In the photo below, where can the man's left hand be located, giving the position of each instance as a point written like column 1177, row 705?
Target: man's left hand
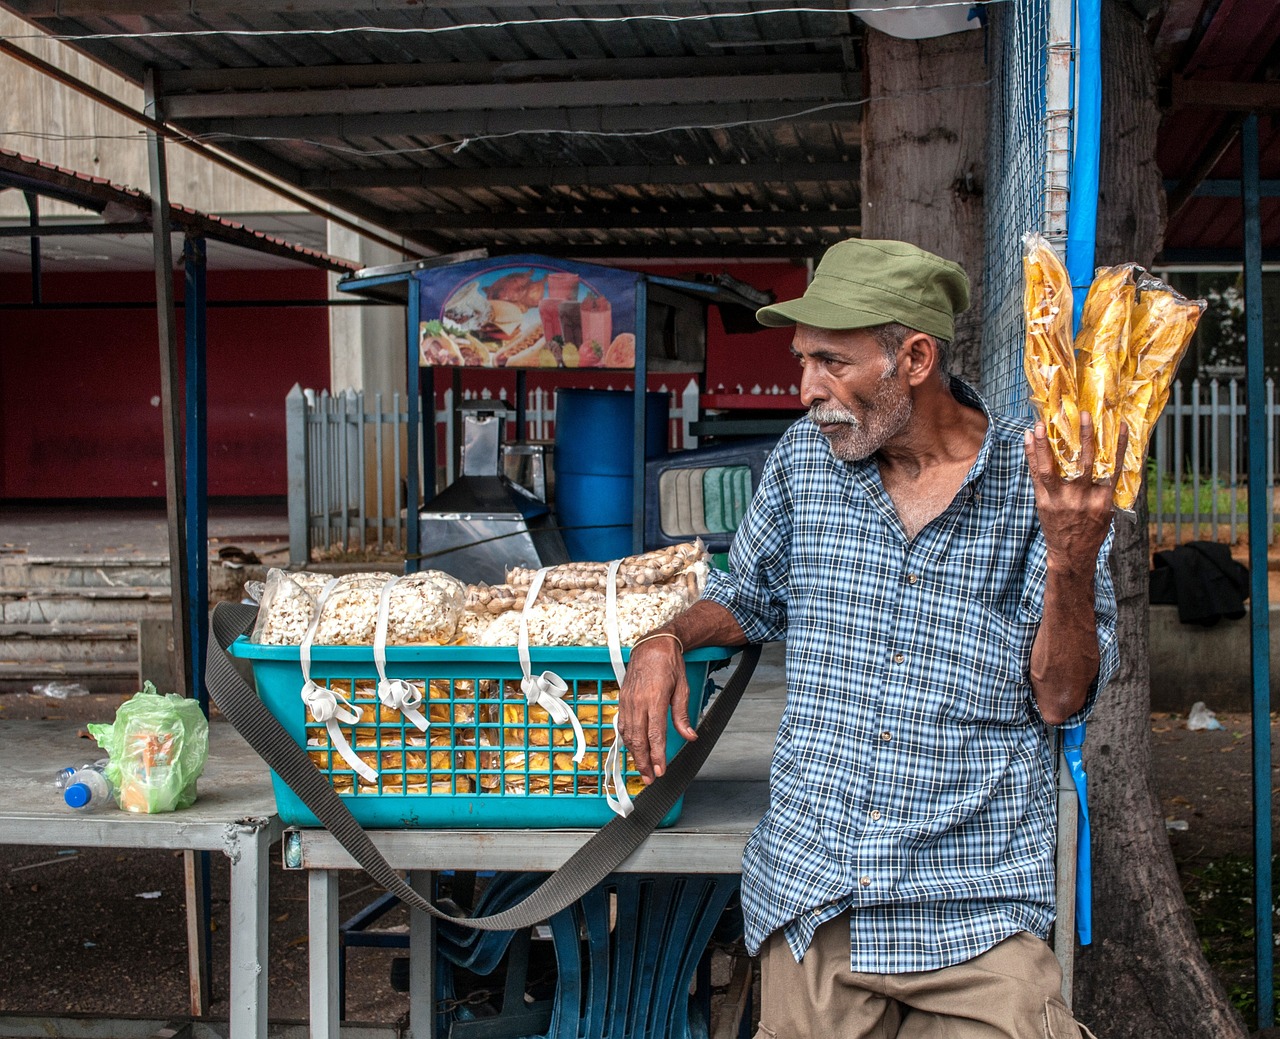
column 1075, row 515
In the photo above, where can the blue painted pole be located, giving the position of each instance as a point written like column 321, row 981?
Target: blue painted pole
column 195, row 360
column 1082, row 218
column 640, row 402
column 1259, row 606
column 195, row 341
column 414, row 439
column 1082, row 240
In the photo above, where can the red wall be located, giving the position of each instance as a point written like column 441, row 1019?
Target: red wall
column 79, row 389
column 748, row 358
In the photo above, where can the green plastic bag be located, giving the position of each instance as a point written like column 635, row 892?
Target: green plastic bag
column 158, row 746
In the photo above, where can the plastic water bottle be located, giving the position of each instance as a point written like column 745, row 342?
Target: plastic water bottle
column 87, row 789
column 63, row 776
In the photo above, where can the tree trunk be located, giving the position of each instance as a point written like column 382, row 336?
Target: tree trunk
column 923, row 153
column 1144, row 976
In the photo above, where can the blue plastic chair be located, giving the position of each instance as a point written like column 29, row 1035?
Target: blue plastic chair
column 626, row 954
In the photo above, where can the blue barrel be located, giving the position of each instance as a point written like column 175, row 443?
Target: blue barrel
column 593, row 467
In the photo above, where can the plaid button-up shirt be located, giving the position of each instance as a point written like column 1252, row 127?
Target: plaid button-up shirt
column 913, row 778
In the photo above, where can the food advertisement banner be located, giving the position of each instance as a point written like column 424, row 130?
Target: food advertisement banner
column 527, row 312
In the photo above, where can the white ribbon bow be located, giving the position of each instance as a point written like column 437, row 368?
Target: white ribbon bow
column 323, row 704
column 615, row 783
column 547, row 689
column 398, row 694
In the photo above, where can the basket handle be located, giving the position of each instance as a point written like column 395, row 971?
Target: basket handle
column 588, row 866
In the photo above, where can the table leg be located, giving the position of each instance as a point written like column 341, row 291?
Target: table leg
column 422, row 962
column 322, row 945
column 248, row 847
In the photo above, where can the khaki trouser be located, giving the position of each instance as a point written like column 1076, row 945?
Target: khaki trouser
column 1012, row 991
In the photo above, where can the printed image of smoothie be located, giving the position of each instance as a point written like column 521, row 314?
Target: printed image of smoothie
column 597, row 324
column 571, row 321
column 561, row 285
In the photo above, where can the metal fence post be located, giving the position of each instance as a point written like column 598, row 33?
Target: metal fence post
column 295, row 424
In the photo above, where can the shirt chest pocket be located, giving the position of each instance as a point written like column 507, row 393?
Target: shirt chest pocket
column 992, row 684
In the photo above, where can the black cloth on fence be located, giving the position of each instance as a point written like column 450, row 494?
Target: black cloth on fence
column 1203, row 580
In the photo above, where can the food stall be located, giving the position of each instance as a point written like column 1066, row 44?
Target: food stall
column 529, row 312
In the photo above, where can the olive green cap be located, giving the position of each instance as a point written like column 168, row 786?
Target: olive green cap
column 864, row 282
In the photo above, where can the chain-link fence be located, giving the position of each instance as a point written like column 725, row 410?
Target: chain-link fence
column 1028, row 170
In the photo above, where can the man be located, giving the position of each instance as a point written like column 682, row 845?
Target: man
column 945, row 597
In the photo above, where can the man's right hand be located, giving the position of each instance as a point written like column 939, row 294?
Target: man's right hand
column 655, row 682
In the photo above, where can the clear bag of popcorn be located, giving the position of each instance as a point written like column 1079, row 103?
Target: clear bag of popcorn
column 423, row 608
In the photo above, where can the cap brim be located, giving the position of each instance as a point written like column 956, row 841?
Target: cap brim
column 819, row 314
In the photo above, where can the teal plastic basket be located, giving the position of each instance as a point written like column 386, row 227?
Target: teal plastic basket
column 487, row 759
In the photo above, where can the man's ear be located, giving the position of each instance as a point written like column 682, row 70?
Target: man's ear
column 918, row 357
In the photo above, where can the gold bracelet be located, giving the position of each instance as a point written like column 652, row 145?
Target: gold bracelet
column 658, row 635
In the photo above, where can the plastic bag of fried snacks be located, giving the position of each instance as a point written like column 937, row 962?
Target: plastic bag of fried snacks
column 1049, row 359
column 1161, row 327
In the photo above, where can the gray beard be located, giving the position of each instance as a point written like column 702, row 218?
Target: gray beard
column 856, row 440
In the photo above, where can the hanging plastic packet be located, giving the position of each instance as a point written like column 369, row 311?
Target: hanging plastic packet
column 1049, row 358
column 1102, row 358
column 1161, row 328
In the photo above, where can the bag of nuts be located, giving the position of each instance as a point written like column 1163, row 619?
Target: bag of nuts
column 423, row 608
column 570, row 609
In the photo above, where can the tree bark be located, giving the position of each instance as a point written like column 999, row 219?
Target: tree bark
column 1144, row 976
column 923, row 153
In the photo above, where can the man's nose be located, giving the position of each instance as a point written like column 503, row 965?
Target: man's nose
column 813, row 388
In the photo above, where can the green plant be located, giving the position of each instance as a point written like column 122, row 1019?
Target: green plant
column 1220, row 897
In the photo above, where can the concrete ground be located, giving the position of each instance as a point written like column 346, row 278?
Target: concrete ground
column 112, row 531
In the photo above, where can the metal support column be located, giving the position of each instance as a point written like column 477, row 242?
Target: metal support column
column 175, row 502
column 37, row 263
column 413, row 454
column 170, row 395
column 422, row 956
column 322, row 920
column 1259, row 606
column 195, row 342
column 640, row 413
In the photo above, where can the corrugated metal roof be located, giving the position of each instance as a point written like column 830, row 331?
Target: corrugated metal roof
column 605, row 130
column 125, row 204
column 1219, row 59
column 614, row 130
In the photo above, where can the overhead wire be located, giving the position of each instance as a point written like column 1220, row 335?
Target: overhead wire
column 426, row 30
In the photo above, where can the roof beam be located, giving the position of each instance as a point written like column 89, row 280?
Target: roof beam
column 816, row 86
column 319, row 77
column 57, row 230
column 1237, row 97
column 49, row 9
column 811, row 248
column 454, row 178
column 849, row 220
column 564, row 120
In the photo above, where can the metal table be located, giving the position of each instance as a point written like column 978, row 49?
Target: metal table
column 720, row 809
column 235, row 814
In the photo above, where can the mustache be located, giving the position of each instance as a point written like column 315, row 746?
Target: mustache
column 826, row 414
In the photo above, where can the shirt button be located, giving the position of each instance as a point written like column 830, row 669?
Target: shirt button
column 912, row 578
column 875, row 814
column 865, row 881
column 886, row 735
column 898, row 658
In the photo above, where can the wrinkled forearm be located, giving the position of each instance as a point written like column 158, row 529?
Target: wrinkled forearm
column 1064, row 657
column 706, row 624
